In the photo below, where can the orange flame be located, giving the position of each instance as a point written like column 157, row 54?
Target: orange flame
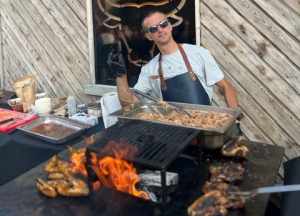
column 116, row 173
column 112, row 172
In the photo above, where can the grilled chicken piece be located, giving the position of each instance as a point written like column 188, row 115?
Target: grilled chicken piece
column 51, row 165
column 229, row 172
column 225, row 189
column 72, row 187
column 45, row 188
column 210, row 204
column 55, row 175
column 232, row 148
column 54, row 164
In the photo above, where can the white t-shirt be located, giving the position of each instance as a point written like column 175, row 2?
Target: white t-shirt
column 202, row 63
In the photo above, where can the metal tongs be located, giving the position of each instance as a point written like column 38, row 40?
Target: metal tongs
column 141, row 96
column 262, row 190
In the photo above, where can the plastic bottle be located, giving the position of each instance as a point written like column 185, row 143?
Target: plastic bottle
column 71, row 106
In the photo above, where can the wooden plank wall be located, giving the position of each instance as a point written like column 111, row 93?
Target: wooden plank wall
column 48, row 39
column 256, row 43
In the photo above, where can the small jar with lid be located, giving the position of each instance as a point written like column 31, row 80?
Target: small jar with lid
column 90, row 110
column 97, row 109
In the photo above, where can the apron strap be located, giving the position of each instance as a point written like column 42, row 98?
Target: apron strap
column 187, row 64
column 160, row 73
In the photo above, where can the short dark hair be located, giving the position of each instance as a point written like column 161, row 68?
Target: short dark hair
column 149, row 14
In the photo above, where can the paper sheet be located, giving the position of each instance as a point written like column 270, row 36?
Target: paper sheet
column 109, row 104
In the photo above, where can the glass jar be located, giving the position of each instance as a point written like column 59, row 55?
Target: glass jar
column 90, row 110
column 97, row 109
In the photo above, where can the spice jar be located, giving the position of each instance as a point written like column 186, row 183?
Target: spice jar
column 90, row 108
column 97, row 109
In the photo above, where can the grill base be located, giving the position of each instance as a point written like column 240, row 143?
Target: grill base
column 178, row 197
column 158, row 146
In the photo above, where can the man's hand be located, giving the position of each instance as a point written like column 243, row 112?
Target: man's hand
column 116, row 61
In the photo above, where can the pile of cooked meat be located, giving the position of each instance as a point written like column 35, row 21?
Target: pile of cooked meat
column 223, row 179
column 210, row 119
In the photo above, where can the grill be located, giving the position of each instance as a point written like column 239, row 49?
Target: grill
column 158, row 146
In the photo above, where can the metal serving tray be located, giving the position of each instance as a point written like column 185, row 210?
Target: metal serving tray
column 211, row 138
column 58, row 120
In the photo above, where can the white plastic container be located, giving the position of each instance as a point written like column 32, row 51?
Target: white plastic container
column 43, row 106
column 71, row 103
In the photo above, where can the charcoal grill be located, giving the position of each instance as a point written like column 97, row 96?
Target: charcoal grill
column 158, row 146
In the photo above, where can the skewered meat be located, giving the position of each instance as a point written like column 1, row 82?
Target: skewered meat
column 225, row 189
column 229, row 172
column 232, row 148
column 211, row 203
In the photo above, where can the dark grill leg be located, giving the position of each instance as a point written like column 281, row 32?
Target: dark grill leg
column 164, row 192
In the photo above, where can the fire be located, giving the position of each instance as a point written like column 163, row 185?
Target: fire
column 112, row 171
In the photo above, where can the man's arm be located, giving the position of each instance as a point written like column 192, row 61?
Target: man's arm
column 229, row 93
column 231, row 101
column 125, row 96
column 117, row 66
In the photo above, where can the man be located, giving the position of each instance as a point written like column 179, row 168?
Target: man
column 175, row 82
column 180, row 73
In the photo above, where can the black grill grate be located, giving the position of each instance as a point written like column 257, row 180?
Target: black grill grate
column 158, row 144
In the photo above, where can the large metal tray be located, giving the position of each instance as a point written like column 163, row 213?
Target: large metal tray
column 211, row 138
column 58, row 120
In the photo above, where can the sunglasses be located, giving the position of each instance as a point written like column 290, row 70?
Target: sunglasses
column 163, row 24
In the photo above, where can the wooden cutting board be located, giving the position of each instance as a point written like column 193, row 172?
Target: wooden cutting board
column 18, row 116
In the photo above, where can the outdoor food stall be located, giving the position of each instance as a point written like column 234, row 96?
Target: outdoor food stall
column 145, row 167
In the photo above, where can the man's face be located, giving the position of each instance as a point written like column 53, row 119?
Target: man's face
column 162, row 35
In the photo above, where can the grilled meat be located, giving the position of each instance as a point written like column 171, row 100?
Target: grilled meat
column 46, row 188
column 209, row 204
column 232, row 148
column 55, row 164
column 221, row 186
column 71, row 187
column 229, row 172
column 225, row 189
column 55, row 175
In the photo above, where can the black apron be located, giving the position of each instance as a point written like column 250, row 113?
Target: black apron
column 184, row 88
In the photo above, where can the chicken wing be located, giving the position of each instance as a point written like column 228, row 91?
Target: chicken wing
column 233, row 149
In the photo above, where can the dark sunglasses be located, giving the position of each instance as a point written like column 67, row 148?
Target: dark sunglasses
column 163, row 24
